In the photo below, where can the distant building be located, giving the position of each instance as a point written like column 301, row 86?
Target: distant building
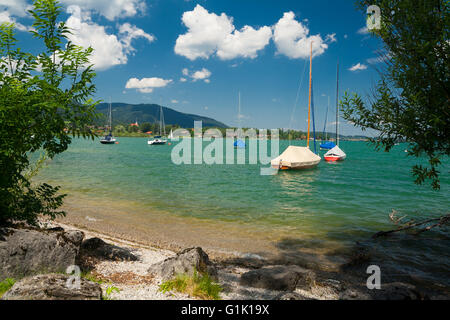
column 136, row 124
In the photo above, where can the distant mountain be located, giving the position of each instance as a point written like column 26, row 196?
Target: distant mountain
column 125, row 113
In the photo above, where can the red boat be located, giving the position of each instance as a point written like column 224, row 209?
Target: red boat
column 335, row 154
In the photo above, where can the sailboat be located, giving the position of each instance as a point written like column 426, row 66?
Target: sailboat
column 239, row 143
column 170, row 135
column 109, row 139
column 328, row 145
column 336, row 154
column 298, row 158
column 159, row 140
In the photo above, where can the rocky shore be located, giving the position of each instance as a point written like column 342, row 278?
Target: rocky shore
column 38, row 260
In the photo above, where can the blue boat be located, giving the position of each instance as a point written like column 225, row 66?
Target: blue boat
column 239, row 144
column 327, row 145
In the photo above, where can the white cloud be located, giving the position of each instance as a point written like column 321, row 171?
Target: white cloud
column 244, row 43
column 174, row 101
column 202, row 74
column 292, row 38
column 358, row 67
column 5, row 16
column 110, row 9
column 205, row 32
column 109, row 49
column 146, row 85
column 209, row 33
column 330, row 38
column 130, row 32
column 15, row 7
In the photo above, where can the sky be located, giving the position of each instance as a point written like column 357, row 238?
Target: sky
column 196, row 56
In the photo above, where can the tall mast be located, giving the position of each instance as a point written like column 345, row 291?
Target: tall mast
column 110, row 115
column 160, row 120
column 337, row 104
column 239, row 114
column 239, row 109
column 309, row 104
column 325, row 134
column 328, row 108
column 313, row 118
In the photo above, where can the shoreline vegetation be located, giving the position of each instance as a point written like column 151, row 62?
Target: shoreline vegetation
column 135, row 132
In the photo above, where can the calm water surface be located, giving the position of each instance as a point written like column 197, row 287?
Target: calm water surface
column 335, row 203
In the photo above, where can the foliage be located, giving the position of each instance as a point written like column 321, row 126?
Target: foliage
column 91, row 277
column 411, row 100
column 132, row 129
column 5, row 285
column 146, row 126
column 198, row 285
column 109, row 291
column 44, row 100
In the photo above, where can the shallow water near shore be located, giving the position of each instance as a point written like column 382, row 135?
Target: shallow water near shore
column 317, row 215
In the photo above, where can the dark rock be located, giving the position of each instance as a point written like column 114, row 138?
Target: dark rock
column 98, row 248
column 354, row 294
column 389, row 291
column 335, row 285
column 185, row 262
column 52, row 287
column 290, row 296
column 282, row 278
column 398, row 291
column 25, row 252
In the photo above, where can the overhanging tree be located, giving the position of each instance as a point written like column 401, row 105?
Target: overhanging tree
column 411, row 100
column 44, row 102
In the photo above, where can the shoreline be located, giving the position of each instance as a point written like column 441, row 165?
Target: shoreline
column 223, row 241
column 134, row 282
column 331, row 284
column 227, row 245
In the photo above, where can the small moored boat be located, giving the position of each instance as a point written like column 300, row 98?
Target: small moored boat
column 159, row 140
column 335, row 154
column 109, row 139
column 299, row 158
column 296, row 158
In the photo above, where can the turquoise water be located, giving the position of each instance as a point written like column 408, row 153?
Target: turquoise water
column 341, row 202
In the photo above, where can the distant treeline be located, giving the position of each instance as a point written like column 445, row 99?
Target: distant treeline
column 147, row 128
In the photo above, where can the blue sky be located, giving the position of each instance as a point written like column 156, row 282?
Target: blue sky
column 195, row 56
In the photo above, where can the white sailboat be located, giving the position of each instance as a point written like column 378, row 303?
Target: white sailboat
column 239, row 143
column 336, row 154
column 298, row 158
column 159, row 140
column 109, row 139
column 170, row 135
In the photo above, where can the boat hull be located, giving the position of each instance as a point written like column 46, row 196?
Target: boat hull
column 296, row 167
column 334, row 158
column 156, row 143
column 107, row 142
